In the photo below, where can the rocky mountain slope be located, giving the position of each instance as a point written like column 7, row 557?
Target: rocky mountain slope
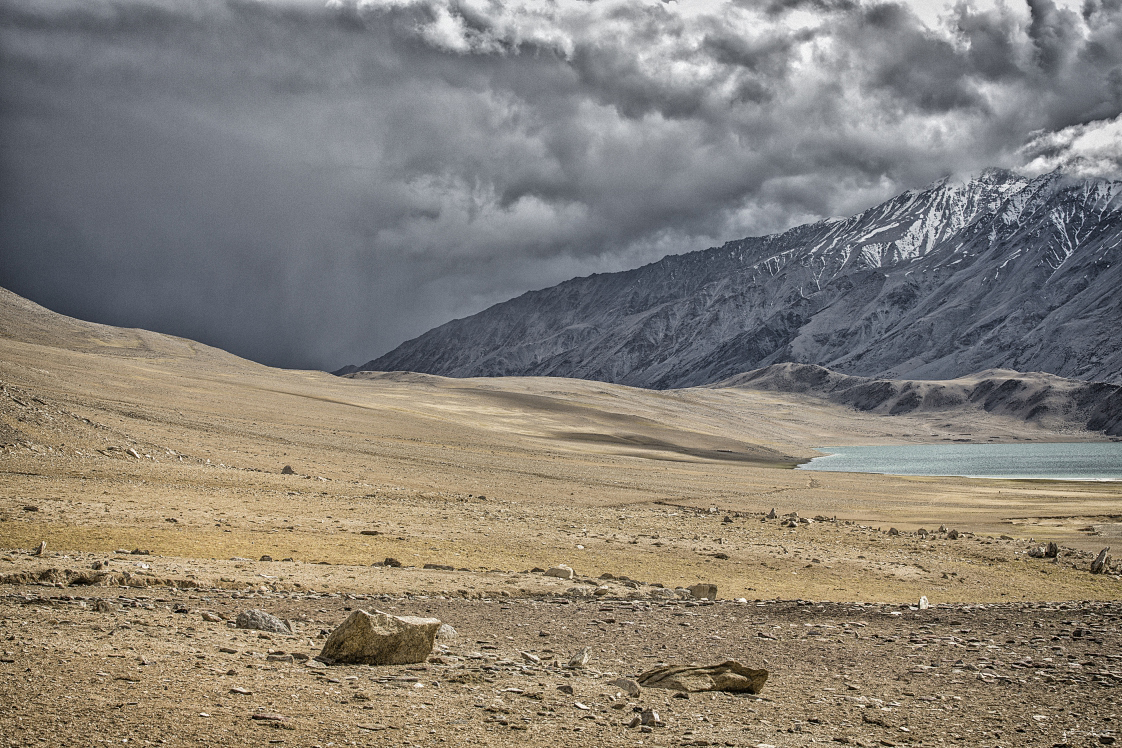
column 1045, row 399
column 1001, row 271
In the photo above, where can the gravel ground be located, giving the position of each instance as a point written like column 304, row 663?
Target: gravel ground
column 92, row 666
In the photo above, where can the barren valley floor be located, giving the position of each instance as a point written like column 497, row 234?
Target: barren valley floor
column 119, row 440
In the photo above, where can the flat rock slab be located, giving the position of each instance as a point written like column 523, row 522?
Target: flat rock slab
column 730, row 676
column 380, row 639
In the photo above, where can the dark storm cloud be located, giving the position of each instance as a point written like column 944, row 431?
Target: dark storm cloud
column 310, row 185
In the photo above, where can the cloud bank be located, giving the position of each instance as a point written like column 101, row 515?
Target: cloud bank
column 309, row 185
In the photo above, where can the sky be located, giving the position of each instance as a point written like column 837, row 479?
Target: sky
column 309, row 185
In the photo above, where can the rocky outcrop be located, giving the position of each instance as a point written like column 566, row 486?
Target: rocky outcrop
column 1045, row 399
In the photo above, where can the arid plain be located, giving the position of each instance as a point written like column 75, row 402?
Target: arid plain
column 122, row 440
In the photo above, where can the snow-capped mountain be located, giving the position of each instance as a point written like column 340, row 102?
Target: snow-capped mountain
column 1000, row 271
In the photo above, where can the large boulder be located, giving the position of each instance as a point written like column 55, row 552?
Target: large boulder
column 730, row 676
column 262, row 621
column 380, row 639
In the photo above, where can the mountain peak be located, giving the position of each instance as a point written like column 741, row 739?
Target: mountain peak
column 997, row 270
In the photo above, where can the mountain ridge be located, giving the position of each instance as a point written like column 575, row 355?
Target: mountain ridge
column 999, row 271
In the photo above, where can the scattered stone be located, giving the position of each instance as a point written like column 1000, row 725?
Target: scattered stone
column 581, row 658
column 729, row 676
column 30, row 508
column 953, row 535
column 1051, row 551
column 773, row 514
column 565, row 688
column 649, row 717
column 287, row 470
column 1101, row 562
column 266, row 717
column 262, row 621
column 211, row 617
column 41, row 549
column 266, row 558
column 704, row 591
column 893, row 531
column 1037, row 551
column 102, row 606
column 380, row 639
column 369, row 532
column 241, row 691
column 627, row 685
column 392, row 563
column 440, row 567
column 561, row 571
column 531, row 658
column 139, row 552
column 942, row 528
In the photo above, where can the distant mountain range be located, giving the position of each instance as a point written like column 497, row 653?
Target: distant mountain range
column 998, row 272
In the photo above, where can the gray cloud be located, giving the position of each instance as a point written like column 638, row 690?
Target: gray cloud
column 310, row 185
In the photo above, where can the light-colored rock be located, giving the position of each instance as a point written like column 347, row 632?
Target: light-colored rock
column 561, row 571
column 923, row 604
column 262, row 621
column 211, row 617
column 580, row 658
column 531, row 658
column 729, row 676
column 445, row 633
column 628, row 686
column 704, row 591
column 380, row 639
column 41, row 549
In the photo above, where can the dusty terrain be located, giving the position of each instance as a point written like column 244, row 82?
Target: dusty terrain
column 119, row 440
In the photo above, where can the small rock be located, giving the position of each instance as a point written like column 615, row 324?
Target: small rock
column 561, row 571
column 953, row 535
column 893, row 531
column 287, row 470
column 241, row 691
column 266, row 558
column 392, row 563
column 440, row 567
column 445, row 633
column 773, row 514
column 704, row 591
column 565, row 688
column 380, row 639
column 41, row 549
column 649, row 717
column 262, row 621
column 1101, row 562
column 628, row 686
column 531, row 658
column 581, row 658
column 923, row 604
column 1051, row 551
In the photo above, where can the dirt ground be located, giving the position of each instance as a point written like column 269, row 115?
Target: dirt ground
column 153, row 470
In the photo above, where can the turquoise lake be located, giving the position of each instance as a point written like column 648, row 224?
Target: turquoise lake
column 1098, row 461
